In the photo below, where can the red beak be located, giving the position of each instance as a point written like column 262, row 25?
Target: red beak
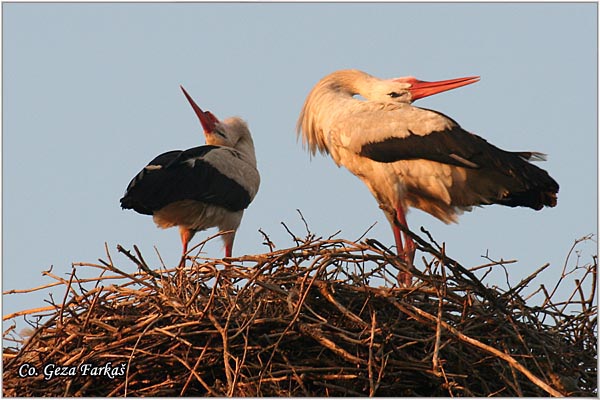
column 207, row 119
column 420, row 89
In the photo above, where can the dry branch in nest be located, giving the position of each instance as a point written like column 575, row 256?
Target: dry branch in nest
column 323, row 318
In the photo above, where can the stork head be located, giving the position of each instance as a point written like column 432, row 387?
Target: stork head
column 396, row 90
column 411, row 88
column 213, row 129
column 231, row 132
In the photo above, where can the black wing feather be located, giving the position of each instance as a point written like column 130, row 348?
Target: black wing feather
column 173, row 176
column 533, row 187
column 447, row 147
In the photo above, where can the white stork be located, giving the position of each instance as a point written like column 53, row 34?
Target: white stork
column 414, row 157
column 202, row 187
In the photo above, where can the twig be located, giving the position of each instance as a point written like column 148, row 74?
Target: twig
column 415, row 313
column 140, row 263
column 308, row 233
column 372, row 385
column 365, row 232
column 267, row 241
column 314, row 332
column 292, row 322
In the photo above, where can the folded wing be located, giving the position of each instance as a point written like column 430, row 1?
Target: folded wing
column 213, row 175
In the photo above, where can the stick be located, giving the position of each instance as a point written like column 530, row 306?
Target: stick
column 416, row 312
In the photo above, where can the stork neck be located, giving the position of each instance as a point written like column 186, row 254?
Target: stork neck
column 246, row 146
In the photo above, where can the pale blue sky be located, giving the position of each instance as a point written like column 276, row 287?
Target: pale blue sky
column 91, row 94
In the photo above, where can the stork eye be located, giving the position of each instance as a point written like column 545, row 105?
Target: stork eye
column 393, row 95
column 216, row 131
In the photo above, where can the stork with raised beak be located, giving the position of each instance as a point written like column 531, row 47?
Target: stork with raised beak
column 415, row 157
column 202, row 187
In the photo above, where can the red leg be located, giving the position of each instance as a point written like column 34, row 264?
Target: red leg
column 186, row 236
column 398, row 239
column 228, row 239
column 408, row 252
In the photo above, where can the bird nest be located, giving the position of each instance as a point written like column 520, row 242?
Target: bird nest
column 322, row 318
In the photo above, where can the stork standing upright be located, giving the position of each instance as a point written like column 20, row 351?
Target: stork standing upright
column 202, row 187
column 414, row 157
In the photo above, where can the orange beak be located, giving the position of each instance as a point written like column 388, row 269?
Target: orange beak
column 420, row 89
column 207, row 119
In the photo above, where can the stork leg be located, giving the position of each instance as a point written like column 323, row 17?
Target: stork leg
column 228, row 248
column 409, row 250
column 228, row 239
column 186, row 235
column 398, row 239
column 406, row 252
